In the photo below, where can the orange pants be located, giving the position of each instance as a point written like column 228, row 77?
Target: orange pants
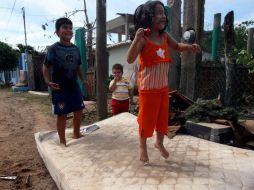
column 153, row 113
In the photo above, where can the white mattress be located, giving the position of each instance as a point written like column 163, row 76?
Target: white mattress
column 108, row 159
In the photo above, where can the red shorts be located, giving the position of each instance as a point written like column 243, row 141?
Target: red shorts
column 119, row 106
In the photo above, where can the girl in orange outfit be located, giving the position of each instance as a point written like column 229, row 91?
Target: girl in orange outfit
column 154, row 60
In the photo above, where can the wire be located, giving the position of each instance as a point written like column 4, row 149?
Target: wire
column 9, row 17
column 40, row 15
column 18, row 31
column 8, row 8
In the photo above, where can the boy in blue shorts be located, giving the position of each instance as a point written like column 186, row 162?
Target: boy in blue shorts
column 64, row 58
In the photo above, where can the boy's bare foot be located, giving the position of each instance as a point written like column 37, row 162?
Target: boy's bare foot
column 63, row 144
column 78, row 136
column 163, row 151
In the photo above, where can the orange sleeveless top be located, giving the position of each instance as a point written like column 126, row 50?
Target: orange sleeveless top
column 154, row 62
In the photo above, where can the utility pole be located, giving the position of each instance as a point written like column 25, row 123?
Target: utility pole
column 24, row 20
column 26, row 53
column 29, row 67
column 101, row 60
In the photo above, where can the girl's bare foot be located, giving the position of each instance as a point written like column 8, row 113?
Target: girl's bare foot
column 163, row 151
column 144, row 156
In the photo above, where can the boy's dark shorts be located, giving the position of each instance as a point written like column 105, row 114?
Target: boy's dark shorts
column 64, row 102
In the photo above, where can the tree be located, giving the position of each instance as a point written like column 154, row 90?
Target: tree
column 240, row 38
column 30, row 49
column 242, row 34
column 8, row 57
column 89, row 43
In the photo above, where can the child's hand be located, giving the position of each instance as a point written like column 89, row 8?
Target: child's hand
column 85, row 82
column 53, row 86
column 195, row 48
column 117, row 78
column 140, row 33
column 147, row 31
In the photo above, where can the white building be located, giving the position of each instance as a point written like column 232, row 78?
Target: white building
column 118, row 54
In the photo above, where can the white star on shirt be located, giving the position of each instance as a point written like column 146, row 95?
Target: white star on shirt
column 160, row 52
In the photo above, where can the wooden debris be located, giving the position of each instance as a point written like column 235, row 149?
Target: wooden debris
column 248, row 124
column 221, row 121
column 172, row 131
column 28, row 181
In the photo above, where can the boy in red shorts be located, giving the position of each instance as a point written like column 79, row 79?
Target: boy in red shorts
column 121, row 90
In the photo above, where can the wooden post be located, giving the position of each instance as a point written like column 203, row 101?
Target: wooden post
column 101, row 60
column 89, row 43
column 167, row 12
column 90, row 74
column 30, row 72
column 250, row 42
column 126, row 27
column 229, row 41
column 175, row 31
column 216, row 33
column 193, row 16
column 119, row 37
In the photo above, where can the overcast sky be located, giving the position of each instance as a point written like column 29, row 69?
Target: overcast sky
column 39, row 12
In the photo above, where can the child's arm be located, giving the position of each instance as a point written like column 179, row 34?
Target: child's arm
column 81, row 76
column 136, row 45
column 112, row 85
column 131, row 95
column 181, row 46
column 46, row 75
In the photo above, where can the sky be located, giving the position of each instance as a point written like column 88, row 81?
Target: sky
column 39, row 12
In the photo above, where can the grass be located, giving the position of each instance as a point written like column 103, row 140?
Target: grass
column 43, row 101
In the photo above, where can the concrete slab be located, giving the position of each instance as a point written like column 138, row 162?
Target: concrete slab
column 20, row 88
column 38, row 93
column 210, row 131
column 108, row 159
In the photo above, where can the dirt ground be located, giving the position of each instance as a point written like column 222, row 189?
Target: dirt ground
column 21, row 117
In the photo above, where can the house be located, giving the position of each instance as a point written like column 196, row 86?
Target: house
column 13, row 76
column 118, row 52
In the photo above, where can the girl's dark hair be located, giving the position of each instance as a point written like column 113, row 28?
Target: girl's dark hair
column 61, row 21
column 118, row 66
column 144, row 14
